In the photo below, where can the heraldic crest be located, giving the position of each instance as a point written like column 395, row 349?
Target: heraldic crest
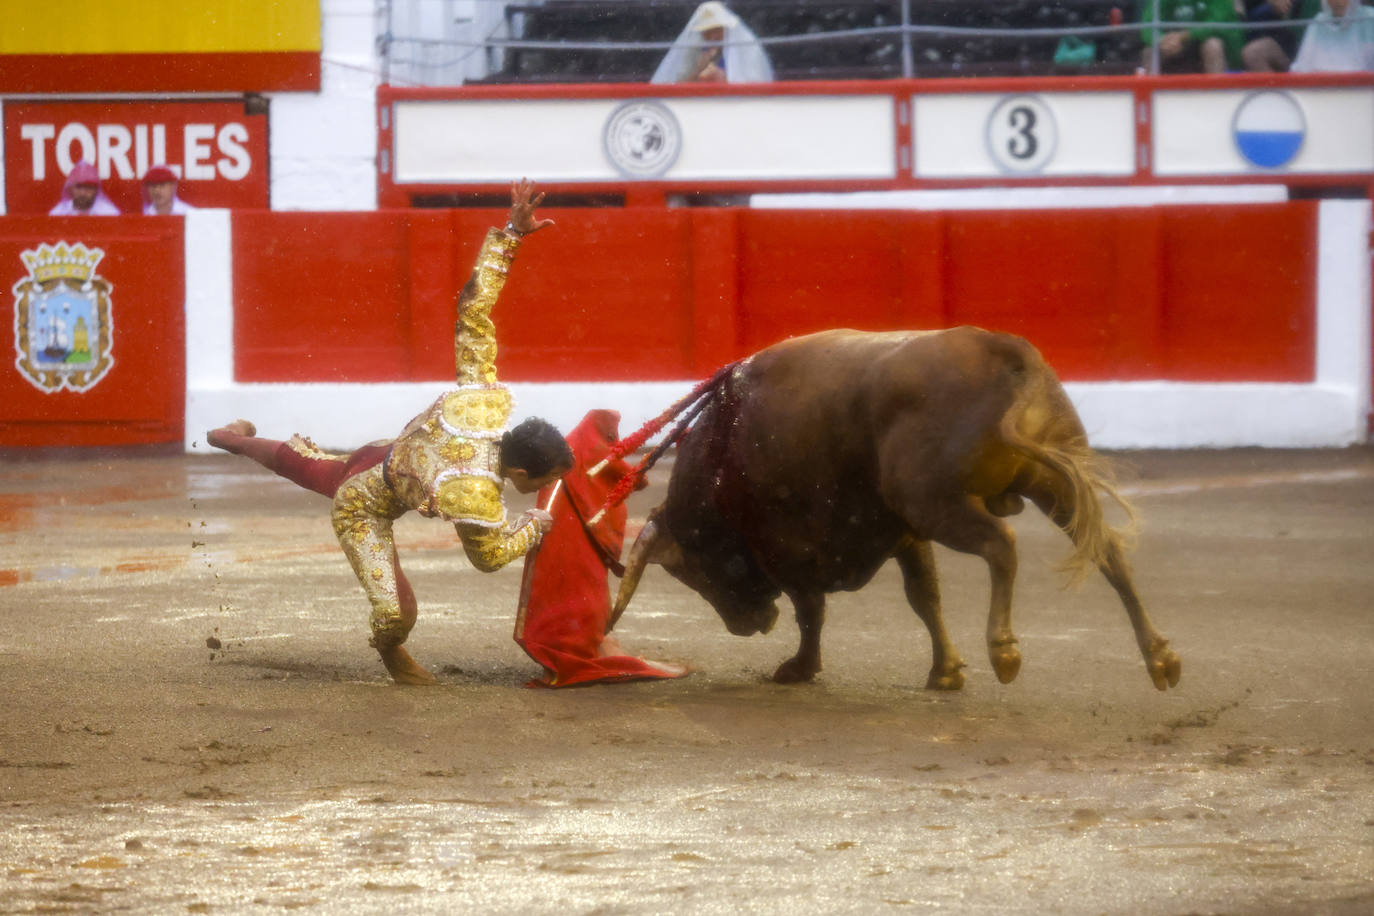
column 63, row 328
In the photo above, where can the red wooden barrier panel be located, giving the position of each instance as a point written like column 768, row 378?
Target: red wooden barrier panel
column 1188, row 293
column 369, row 296
column 1244, row 281
column 100, row 362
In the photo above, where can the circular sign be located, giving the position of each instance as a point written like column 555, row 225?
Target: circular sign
column 642, row 139
column 1021, row 134
column 1268, row 128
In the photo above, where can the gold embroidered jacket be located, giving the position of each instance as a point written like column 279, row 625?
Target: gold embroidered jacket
column 447, row 461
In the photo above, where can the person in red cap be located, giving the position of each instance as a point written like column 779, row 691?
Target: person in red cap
column 81, row 194
column 160, row 193
column 565, row 603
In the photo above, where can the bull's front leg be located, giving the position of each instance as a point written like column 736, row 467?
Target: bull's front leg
column 807, row 662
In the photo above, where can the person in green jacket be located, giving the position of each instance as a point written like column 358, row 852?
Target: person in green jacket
column 1200, row 47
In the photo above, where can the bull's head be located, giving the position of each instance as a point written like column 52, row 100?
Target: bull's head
column 732, row 584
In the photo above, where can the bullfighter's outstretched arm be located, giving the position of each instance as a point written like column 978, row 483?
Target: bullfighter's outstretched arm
column 474, row 334
column 490, row 539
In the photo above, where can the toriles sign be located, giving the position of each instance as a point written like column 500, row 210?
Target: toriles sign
column 218, row 151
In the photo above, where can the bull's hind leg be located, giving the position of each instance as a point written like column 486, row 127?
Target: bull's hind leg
column 810, row 618
column 922, row 582
column 1161, row 662
column 969, row 528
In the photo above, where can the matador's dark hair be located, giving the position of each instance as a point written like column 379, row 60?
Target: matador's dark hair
column 536, row 446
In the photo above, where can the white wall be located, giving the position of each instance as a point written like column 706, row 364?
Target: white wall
column 324, row 145
column 1330, row 411
column 442, row 42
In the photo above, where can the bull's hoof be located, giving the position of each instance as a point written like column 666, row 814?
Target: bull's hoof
column 404, row 669
column 1164, row 666
column 1006, row 661
column 952, row 679
column 796, row 671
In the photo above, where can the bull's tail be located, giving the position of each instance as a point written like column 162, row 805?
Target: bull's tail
column 1043, row 428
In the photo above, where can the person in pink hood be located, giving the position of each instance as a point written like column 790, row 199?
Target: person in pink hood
column 81, row 194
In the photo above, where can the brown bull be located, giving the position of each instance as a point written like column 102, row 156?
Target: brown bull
column 819, row 458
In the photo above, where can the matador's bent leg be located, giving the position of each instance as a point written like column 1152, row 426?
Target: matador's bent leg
column 364, row 509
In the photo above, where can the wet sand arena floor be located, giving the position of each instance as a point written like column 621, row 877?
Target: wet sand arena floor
column 143, row 771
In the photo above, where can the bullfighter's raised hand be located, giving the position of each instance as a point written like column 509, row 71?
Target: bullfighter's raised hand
column 524, row 200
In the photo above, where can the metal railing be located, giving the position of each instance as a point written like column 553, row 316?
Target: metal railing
column 402, row 49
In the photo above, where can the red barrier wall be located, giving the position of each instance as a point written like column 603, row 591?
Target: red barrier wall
column 1188, row 293
column 140, row 397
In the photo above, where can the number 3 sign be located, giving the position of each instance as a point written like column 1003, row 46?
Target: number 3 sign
column 1021, row 134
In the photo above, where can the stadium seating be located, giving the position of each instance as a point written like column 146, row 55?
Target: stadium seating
column 858, row 56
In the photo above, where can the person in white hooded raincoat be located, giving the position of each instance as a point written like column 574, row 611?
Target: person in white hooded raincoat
column 1340, row 39
column 715, row 46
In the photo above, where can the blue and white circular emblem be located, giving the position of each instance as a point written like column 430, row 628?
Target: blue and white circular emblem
column 1269, row 128
column 642, row 139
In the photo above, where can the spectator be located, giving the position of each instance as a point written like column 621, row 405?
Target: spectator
column 715, row 47
column 1271, row 50
column 81, row 194
column 1200, row 48
column 1340, row 39
column 160, row 193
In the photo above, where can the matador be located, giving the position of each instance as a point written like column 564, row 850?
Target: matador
column 450, row 462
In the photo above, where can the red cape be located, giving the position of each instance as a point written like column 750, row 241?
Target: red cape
column 568, row 599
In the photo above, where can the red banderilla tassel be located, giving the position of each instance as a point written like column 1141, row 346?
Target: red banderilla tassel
column 701, row 395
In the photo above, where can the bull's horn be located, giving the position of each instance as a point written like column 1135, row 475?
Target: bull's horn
column 634, row 569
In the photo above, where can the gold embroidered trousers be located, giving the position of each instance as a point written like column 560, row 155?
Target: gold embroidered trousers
column 364, row 509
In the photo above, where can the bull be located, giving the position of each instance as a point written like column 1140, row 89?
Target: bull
column 817, row 459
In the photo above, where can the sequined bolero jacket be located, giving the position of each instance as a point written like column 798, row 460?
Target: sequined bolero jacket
column 447, row 461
